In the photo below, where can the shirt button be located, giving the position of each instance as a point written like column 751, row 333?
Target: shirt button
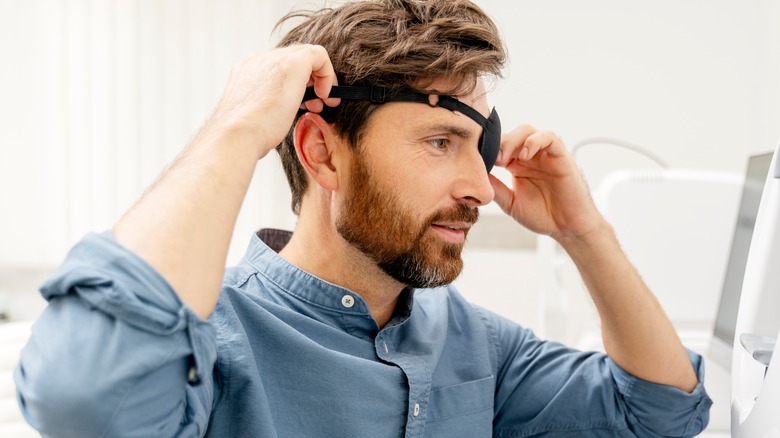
column 192, row 375
column 347, row 301
column 416, row 411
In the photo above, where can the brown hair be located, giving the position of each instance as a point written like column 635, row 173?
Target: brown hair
column 394, row 44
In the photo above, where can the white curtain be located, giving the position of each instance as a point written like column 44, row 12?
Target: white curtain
column 105, row 93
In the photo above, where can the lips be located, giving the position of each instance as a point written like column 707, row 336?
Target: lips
column 452, row 232
column 461, row 226
column 453, row 224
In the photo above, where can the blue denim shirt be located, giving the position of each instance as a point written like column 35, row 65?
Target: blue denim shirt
column 286, row 354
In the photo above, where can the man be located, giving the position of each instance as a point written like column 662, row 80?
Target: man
column 349, row 328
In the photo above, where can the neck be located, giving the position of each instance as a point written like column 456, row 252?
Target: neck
column 317, row 248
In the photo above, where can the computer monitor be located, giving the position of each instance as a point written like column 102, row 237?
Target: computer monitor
column 726, row 319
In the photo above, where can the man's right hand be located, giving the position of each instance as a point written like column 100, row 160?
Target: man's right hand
column 264, row 91
column 192, row 209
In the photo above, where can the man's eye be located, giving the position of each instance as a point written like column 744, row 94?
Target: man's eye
column 439, row 143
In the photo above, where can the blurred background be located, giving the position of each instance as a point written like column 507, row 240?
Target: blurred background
column 99, row 95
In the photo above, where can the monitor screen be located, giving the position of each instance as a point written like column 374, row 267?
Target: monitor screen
column 755, row 177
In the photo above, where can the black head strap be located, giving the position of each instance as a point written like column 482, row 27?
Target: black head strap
column 489, row 142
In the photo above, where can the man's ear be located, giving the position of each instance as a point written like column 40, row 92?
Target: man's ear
column 315, row 144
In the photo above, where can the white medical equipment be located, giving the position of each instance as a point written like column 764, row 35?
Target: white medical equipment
column 755, row 378
column 720, row 348
column 674, row 225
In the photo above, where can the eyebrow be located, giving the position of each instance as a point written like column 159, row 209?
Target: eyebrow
column 447, row 128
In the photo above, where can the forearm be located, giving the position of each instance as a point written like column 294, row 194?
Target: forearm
column 637, row 334
column 183, row 225
column 549, row 196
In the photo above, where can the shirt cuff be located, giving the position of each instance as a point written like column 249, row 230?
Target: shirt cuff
column 686, row 414
column 114, row 280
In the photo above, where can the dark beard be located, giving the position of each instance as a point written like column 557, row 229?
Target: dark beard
column 374, row 221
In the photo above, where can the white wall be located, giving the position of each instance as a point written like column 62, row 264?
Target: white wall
column 98, row 95
column 696, row 82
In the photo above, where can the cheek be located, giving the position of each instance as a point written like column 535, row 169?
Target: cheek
column 419, row 183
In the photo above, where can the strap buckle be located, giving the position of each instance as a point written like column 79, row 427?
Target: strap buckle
column 377, row 95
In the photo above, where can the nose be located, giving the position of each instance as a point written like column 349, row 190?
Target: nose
column 473, row 185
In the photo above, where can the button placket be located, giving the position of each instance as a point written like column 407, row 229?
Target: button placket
column 418, row 376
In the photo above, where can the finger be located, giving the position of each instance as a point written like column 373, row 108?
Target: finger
column 504, row 196
column 547, row 141
column 323, row 75
column 512, row 143
column 315, row 106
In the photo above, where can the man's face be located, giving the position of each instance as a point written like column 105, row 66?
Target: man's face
column 375, row 221
column 414, row 187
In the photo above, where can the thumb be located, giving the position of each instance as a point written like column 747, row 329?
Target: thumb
column 503, row 194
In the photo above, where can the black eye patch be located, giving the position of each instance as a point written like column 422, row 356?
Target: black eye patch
column 489, row 141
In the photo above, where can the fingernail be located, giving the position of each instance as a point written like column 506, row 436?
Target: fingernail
column 500, row 155
column 524, row 154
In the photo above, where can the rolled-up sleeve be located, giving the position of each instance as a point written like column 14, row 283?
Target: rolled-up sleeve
column 662, row 410
column 115, row 353
column 547, row 389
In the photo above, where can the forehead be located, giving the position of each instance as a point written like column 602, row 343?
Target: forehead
column 402, row 115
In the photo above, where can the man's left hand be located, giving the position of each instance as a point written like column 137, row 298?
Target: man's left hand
column 548, row 195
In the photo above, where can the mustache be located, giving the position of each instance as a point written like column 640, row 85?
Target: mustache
column 457, row 213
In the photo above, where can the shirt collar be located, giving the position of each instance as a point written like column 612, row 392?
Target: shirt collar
column 263, row 256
